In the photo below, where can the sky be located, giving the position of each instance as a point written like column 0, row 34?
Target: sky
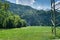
column 37, row 4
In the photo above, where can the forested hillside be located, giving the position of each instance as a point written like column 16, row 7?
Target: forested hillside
column 32, row 16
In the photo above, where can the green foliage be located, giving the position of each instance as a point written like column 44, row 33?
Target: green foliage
column 13, row 21
column 8, row 19
column 24, row 23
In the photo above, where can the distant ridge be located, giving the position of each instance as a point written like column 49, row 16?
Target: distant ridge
column 32, row 16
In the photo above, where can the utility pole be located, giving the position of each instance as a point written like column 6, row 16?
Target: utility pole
column 53, row 17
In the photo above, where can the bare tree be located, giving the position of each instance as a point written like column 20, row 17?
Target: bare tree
column 53, row 17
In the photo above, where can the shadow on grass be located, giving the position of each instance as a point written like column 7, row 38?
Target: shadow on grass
column 9, row 28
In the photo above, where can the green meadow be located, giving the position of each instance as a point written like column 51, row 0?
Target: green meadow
column 28, row 33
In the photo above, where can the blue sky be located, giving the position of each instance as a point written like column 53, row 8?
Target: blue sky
column 37, row 4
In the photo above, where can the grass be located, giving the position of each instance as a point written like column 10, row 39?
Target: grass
column 28, row 33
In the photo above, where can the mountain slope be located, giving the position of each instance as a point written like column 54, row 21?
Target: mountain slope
column 32, row 16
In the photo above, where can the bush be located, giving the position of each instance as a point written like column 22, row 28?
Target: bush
column 24, row 24
column 14, row 22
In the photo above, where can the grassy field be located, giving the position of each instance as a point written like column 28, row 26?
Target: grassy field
column 28, row 33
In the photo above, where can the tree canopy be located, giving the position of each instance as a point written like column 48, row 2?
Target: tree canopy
column 8, row 19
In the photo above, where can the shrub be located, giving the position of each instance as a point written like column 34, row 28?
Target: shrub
column 14, row 22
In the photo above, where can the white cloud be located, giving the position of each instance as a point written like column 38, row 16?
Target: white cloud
column 57, row 5
column 58, row 2
column 25, row 2
column 13, row 1
column 40, row 7
column 32, row 3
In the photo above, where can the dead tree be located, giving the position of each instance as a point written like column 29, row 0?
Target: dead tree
column 53, row 20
